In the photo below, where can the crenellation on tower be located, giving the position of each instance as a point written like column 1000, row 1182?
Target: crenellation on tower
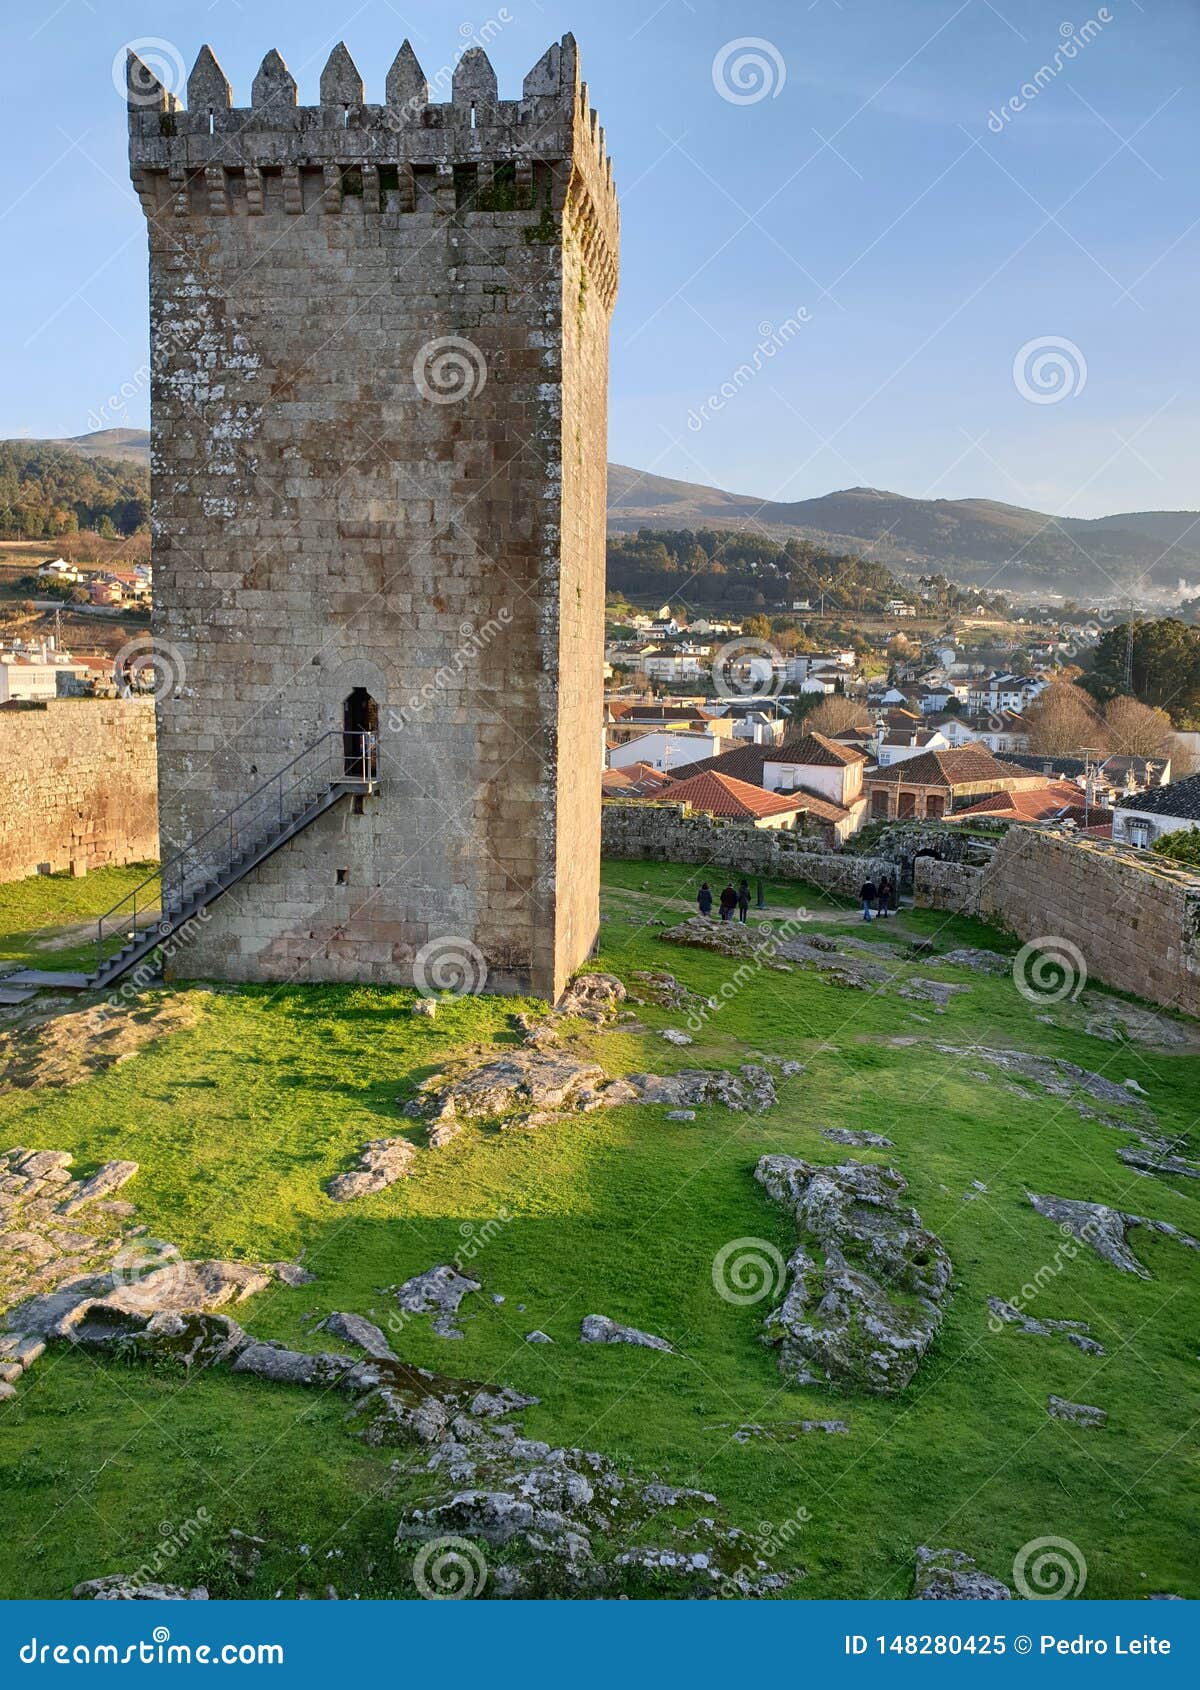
column 380, row 347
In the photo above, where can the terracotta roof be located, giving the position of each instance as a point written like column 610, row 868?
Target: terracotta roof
column 815, row 751
column 1061, row 798
column 720, row 795
column 962, row 765
column 742, row 762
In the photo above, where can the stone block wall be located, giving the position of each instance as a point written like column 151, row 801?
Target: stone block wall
column 1134, row 917
column 77, row 786
column 380, row 345
column 675, row 833
column 953, row 887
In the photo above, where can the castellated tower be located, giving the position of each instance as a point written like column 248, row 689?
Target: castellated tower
column 380, row 357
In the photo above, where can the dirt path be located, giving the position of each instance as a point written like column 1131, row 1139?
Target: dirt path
column 780, row 912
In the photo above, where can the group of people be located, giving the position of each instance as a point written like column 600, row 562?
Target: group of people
column 882, row 895
column 732, row 898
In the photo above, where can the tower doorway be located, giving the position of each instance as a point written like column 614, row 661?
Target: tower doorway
column 360, row 735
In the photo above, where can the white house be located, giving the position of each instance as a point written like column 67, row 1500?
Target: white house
column 665, row 749
column 678, row 668
column 1163, row 809
column 894, row 747
column 27, row 679
column 815, row 763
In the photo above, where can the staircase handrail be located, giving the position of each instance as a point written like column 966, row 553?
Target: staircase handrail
column 335, row 740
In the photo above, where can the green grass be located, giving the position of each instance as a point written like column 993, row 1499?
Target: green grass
column 239, row 1121
column 39, row 916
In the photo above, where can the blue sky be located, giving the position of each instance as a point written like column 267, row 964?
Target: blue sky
column 870, row 206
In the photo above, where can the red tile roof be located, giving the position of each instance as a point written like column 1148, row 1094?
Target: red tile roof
column 962, row 765
column 720, row 795
column 1057, row 800
column 815, row 751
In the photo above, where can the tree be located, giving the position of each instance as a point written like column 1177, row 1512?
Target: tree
column 1137, row 730
column 757, row 627
column 1182, row 846
column 1165, row 664
column 836, row 714
column 1063, row 720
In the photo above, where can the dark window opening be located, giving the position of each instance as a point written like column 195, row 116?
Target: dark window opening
column 343, row 876
column 360, row 735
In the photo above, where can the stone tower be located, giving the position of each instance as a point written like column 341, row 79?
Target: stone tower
column 379, row 351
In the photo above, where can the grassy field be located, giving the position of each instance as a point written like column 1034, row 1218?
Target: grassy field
column 239, row 1120
column 48, row 920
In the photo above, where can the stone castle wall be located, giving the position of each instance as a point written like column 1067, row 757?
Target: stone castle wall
column 675, row 833
column 380, row 343
column 1132, row 916
column 77, row 786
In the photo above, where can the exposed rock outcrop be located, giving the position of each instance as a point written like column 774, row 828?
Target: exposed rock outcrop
column 950, row 1575
column 1106, row 1230
column 532, row 1087
column 380, row 1163
column 860, row 1139
column 599, row 1329
column 1076, row 1413
column 121, row 1587
column 438, row 1291
column 865, row 1283
column 1074, row 1331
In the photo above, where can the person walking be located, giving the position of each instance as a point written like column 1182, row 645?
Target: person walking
column 743, row 898
column 704, row 898
column 728, row 902
column 867, row 894
column 884, row 898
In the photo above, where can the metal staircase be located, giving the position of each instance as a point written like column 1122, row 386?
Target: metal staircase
column 338, row 765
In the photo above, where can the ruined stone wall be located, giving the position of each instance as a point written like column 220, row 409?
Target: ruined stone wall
column 1134, row 918
column 77, row 786
column 675, row 833
column 380, row 341
column 953, row 887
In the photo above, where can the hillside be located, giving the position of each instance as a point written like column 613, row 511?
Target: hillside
column 966, row 539
column 1009, row 547
column 50, row 489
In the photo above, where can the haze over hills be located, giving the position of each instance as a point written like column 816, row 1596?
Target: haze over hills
column 1005, row 547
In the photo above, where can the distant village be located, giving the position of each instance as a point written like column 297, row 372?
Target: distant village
column 921, row 730
column 36, row 668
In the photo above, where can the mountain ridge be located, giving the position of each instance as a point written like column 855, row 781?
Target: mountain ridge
column 1000, row 545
